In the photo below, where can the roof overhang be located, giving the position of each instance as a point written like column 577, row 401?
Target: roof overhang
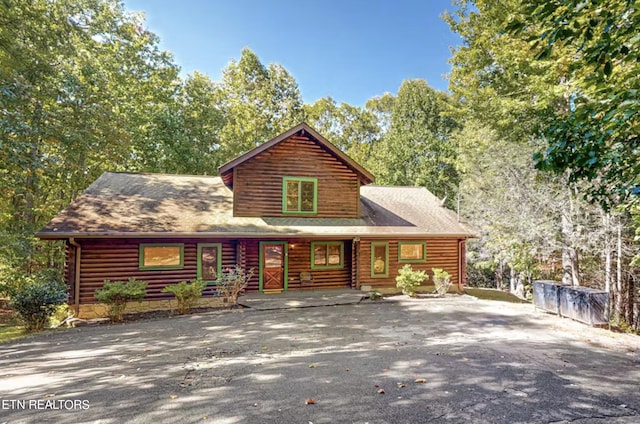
column 246, row 235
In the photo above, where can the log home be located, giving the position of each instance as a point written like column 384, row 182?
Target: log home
column 296, row 209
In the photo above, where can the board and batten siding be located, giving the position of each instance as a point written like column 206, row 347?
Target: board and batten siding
column 118, row 260
column 257, row 183
column 441, row 253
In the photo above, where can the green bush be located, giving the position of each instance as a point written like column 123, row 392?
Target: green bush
column 442, row 280
column 232, row 282
column 34, row 300
column 408, row 280
column 116, row 294
column 187, row 294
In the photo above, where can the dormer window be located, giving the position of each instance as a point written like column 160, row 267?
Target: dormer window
column 299, row 195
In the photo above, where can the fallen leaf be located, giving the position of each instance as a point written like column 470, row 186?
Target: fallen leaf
column 173, row 396
column 381, row 391
column 310, row 402
column 265, row 348
column 420, row 380
column 375, row 385
column 401, row 385
column 48, row 395
column 312, row 365
column 347, row 369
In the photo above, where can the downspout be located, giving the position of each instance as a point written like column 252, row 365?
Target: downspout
column 76, row 290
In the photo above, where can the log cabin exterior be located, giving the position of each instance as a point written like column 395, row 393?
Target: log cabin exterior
column 296, row 209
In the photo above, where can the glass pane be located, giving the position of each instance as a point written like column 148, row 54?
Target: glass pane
column 307, row 196
column 273, row 256
column 320, row 254
column 292, row 203
column 334, row 254
column 411, row 251
column 380, row 257
column 161, row 256
column 209, row 261
column 292, row 195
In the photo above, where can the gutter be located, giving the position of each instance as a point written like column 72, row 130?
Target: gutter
column 250, row 235
column 76, row 290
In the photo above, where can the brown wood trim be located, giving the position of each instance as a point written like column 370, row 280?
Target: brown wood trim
column 76, row 288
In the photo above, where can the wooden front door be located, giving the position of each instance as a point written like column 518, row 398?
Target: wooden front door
column 274, row 265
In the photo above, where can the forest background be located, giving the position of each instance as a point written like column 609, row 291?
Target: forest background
column 536, row 143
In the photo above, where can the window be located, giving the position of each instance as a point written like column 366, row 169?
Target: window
column 209, row 261
column 299, row 195
column 412, row 251
column 379, row 259
column 161, row 256
column 327, row 254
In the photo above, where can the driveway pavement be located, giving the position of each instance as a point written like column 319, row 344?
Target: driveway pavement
column 452, row 360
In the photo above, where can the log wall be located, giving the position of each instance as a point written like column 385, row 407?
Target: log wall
column 300, row 261
column 441, row 253
column 119, row 260
column 257, row 183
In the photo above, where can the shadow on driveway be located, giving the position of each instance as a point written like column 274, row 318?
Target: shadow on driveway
column 481, row 362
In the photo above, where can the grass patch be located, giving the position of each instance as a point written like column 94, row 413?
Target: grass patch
column 493, row 294
column 10, row 326
column 485, row 294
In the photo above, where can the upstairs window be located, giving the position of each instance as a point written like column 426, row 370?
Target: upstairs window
column 299, row 195
column 327, row 254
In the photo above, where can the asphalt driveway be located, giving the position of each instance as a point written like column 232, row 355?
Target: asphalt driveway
column 457, row 360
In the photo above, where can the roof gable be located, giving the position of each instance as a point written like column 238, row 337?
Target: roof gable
column 226, row 170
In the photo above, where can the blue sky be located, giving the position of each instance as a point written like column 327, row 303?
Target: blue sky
column 351, row 50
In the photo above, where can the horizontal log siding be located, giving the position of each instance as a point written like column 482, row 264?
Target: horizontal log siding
column 441, row 253
column 119, row 260
column 257, row 183
column 300, row 261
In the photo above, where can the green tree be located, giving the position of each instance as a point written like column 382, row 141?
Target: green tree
column 597, row 138
column 353, row 129
column 416, row 147
column 79, row 78
column 257, row 103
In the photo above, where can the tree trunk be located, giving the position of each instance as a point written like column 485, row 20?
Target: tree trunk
column 512, row 281
column 570, row 270
column 607, row 252
column 618, row 286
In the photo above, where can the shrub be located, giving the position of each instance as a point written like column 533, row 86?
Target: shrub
column 187, row 294
column 116, row 295
column 34, row 300
column 408, row 280
column 60, row 316
column 442, row 280
column 232, row 282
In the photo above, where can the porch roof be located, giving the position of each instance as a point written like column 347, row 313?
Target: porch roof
column 161, row 205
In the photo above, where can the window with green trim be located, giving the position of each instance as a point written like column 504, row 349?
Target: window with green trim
column 379, row 259
column 209, row 261
column 327, row 254
column 161, row 256
column 299, row 195
column 412, row 251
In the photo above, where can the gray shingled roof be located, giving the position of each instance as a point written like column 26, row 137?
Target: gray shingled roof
column 139, row 205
